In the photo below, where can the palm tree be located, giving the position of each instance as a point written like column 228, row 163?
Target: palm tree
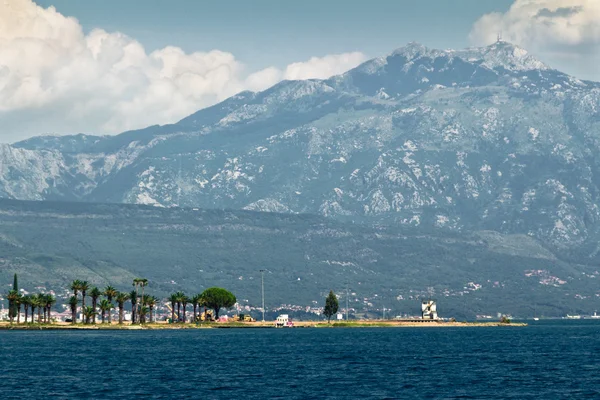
column 121, row 298
column 184, row 302
column 142, row 282
column 180, row 297
column 73, row 302
column 110, row 293
column 84, row 287
column 88, row 313
column 143, row 312
column 134, row 299
column 26, row 301
column 41, row 304
column 105, row 306
column 150, row 302
column 196, row 300
column 34, row 304
column 12, row 297
column 75, row 287
column 18, row 302
column 49, row 300
column 173, row 299
column 95, row 293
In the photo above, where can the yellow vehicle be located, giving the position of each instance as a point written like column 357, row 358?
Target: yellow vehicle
column 244, row 318
column 206, row 316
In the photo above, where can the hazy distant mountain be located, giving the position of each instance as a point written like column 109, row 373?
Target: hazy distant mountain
column 485, row 138
column 51, row 243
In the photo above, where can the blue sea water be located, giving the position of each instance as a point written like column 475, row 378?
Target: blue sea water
column 546, row 360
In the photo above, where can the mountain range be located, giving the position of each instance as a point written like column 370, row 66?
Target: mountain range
column 444, row 141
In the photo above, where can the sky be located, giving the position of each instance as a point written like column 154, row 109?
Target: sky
column 103, row 67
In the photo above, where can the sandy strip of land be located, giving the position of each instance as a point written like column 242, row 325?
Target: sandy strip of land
column 268, row 324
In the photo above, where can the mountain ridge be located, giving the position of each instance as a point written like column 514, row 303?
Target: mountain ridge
column 449, row 139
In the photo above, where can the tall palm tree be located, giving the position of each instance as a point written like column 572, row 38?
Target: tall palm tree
column 75, row 287
column 84, row 287
column 173, row 299
column 143, row 312
column 18, row 302
column 121, row 298
column 49, row 300
column 95, row 293
column 196, row 299
column 180, row 297
column 73, row 302
column 33, row 302
column 26, row 301
column 150, row 302
column 41, row 304
column 105, row 306
column 141, row 282
column 12, row 297
column 110, row 293
column 88, row 313
column 184, row 302
column 134, row 300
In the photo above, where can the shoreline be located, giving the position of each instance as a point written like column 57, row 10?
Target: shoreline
column 259, row 325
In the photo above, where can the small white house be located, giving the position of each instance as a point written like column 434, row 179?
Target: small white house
column 284, row 321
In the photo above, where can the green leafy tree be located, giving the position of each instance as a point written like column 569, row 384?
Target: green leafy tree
column 12, row 297
column 12, row 305
column 217, row 298
column 95, row 294
column 331, row 306
column 121, row 298
column 73, row 303
column 105, row 306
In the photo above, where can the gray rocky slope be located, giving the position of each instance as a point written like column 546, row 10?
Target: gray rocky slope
column 479, row 139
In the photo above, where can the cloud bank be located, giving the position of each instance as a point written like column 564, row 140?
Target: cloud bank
column 565, row 32
column 56, row 79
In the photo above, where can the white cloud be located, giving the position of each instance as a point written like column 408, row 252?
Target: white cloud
column 54, row 78
column 565, row 32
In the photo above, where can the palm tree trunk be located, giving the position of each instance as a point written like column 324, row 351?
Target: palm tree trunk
column 18, row 313
column 94, row 304
column 109, row 319
column 26, row 310
column 32, row 313
column 172, row 312
column 178, row 311
column 195, row 306
column 73, row 315
column 121, row 314
column 103, row 312
column 151, row 314
column 184, row 306
column 49, row 311
column 39, row 315
column 83, row 301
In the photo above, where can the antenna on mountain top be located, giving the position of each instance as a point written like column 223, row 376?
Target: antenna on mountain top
column 499, row 38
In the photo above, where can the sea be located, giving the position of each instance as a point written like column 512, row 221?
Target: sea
column 553, row 359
